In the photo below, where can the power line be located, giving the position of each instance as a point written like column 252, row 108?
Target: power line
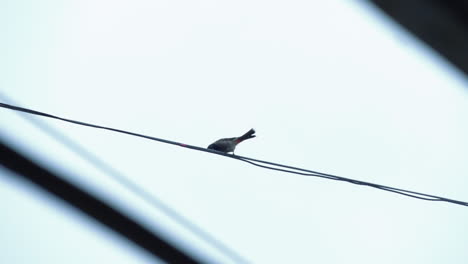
column 137, row 190
column 256, row 162
column 305, row 172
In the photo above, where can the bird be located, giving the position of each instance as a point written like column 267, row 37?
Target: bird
column 227, row 145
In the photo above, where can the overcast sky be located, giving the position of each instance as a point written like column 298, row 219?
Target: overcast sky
column 332, row 86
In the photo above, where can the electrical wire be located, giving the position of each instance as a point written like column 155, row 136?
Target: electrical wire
column 255, row 162
column 134, row 188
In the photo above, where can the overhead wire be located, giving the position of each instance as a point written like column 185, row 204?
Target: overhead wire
column 252, row 161
column 413, row 194
column 133, row 187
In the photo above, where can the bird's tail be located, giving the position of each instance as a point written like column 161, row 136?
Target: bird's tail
column 249, row 134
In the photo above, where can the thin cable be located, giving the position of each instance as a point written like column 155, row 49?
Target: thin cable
column 337, row 178
column 412, row 194
column 256, row 162
column 134, row 188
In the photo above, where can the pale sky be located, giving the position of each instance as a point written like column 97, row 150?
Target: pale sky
column 332, row 86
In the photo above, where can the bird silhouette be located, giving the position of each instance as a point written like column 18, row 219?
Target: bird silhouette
column 227, row 145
